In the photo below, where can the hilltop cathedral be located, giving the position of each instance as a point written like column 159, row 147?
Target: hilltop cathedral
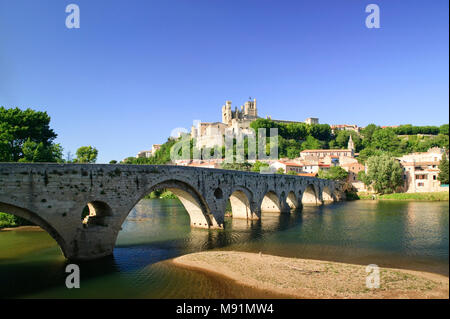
column 236, row 122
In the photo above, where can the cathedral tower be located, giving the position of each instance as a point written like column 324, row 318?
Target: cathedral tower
column 226, row 112
column 250, row 110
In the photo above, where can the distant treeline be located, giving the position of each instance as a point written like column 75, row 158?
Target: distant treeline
column 409, row 129
column 296, row 131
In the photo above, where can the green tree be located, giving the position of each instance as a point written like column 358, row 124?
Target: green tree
column 86, row 154
column 112, row 162
column 443, row 170
column 385, row 140
column 320, row 131
column 367, row 134
column 280, row 171
column 160, row 157
column 311, row 143
column 25, row 136
column 336, row 173
column 289, row 148
column 8, row 220
column 39, row 152
column 409, row 129
column 363, row 178
column 384, row 174
column 296, row 131
column 342, row 138
column 258, row 166
column 18, row 127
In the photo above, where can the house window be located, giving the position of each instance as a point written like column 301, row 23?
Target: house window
column 434, row 177
column 420, row 184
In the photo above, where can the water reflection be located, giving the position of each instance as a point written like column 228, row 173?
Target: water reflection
column 410, row 235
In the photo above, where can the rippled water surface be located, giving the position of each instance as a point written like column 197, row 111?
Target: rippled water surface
column 412, row 235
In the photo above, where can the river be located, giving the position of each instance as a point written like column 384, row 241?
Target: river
column 410, row 235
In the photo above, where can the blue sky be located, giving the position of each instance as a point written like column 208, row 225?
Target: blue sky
column 135, row 70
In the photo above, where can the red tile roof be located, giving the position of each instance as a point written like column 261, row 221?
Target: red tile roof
column 307, row 174
column 291, row 164
column 325, row 151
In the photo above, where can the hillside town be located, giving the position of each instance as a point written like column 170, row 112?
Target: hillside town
column 420, row 169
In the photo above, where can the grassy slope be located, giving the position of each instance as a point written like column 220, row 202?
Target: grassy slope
column 435, row 196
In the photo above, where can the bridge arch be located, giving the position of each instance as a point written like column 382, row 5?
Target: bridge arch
column 192, row 200
column 292, row 200
column 310, row 195
column 240, row 205
column 98, row 214
column 271, row 203
column 327, row 195
column 39, row 221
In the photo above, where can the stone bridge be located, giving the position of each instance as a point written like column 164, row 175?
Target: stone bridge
column 54, row 197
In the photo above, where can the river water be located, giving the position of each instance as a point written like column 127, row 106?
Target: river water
column 410, row 235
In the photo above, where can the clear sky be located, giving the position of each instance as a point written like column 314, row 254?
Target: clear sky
column 135, row 70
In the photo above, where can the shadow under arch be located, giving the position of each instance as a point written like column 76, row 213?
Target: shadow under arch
column 310, row 195
column 270, row 203
column 241, row 200
column 192, row 201
column 99, row 213
column 327, row 195
column 35, row 219
column 292, row 201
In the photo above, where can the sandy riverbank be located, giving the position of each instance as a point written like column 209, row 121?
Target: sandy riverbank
column 22, row 228
column 302, row 278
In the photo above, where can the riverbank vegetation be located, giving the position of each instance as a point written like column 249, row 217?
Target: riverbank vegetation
column 384, row 174
column 161, row 194
column 443, row 171
column 8, row 220
column 434, row 196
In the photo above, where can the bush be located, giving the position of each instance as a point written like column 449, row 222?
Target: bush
column 168, row 195
column 336, row 173
column 8, row 220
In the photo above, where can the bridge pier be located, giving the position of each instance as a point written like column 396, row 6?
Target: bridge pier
column 91, row 243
